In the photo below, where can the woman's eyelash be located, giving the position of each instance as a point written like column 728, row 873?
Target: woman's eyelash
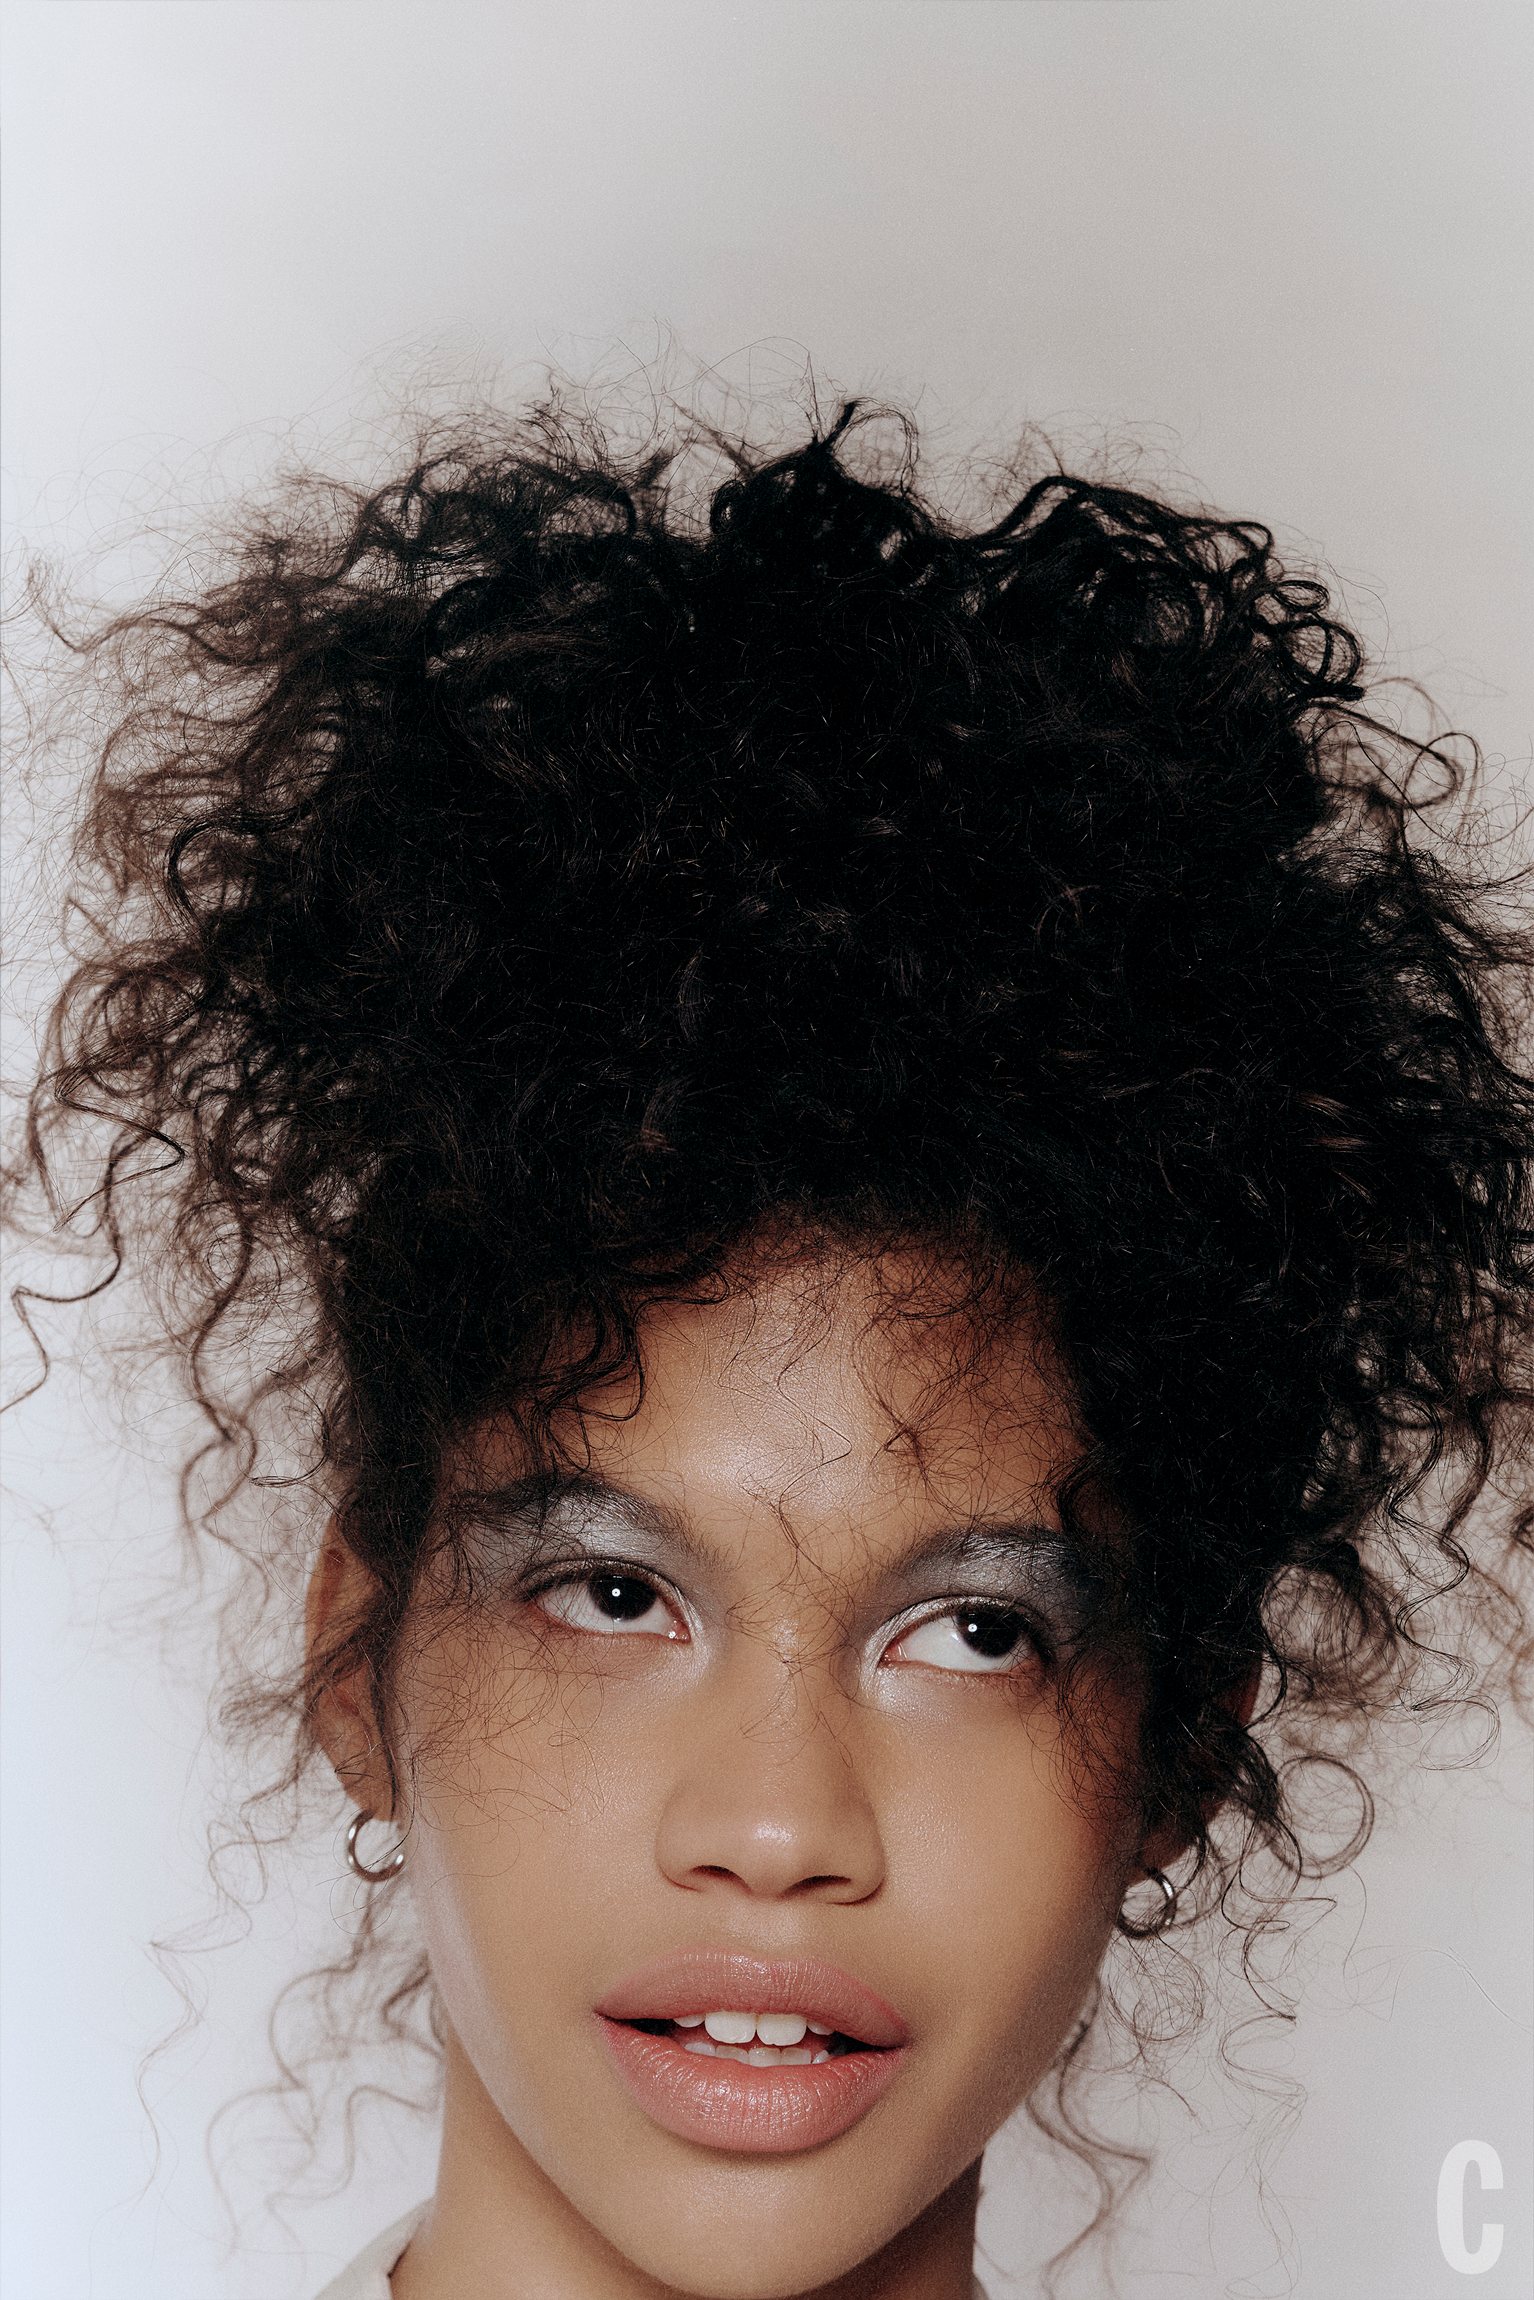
column 590, row 1573
column 981, row 1628
column 574, row 1569
column 971, row 1636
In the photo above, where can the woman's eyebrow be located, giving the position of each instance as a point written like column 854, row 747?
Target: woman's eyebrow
column 534, row 1503
column 985, row 1539
column 989, row 1542
column 539, row 1499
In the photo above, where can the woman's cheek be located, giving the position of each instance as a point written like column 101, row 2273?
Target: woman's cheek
column 1009, row 1877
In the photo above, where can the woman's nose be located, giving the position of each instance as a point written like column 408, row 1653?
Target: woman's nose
column 770, row 1805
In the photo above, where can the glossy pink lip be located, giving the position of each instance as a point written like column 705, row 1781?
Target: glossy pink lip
column 727, row 2104
column 718, row 1980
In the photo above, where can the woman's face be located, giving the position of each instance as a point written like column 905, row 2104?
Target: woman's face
column 760, row 1718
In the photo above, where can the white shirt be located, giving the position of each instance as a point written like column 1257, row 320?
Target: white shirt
column 368, row 2276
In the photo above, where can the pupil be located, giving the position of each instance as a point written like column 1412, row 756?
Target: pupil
column 992, row 1634
column 620, row 1598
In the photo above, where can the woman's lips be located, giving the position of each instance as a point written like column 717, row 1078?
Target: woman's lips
column 719, row 1980
column 725, row 2103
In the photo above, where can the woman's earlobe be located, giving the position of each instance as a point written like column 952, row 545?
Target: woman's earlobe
column 341, row 1714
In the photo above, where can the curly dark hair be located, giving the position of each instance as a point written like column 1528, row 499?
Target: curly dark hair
column 525, row 888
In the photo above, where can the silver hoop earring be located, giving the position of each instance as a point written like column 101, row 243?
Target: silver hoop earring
column 358, row 1867
column 1163, row 1916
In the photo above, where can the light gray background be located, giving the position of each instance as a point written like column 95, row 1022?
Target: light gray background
column 1285, row 248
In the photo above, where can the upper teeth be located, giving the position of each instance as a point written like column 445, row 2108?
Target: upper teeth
column 744, row 2027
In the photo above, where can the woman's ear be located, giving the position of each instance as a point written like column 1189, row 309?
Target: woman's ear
column 1241, row 1700
column 342, row 1714
column 1162, row 1847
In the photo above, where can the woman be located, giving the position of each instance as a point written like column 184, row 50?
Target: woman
column 898, row 1209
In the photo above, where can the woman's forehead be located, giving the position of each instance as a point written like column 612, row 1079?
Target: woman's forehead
column 829, row 1402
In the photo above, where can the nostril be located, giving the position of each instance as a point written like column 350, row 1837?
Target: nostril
column 722, row 1835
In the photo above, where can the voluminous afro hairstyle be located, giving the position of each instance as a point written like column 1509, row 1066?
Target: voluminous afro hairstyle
column 524, row 887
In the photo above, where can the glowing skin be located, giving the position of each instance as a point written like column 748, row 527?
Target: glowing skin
column 793, row 1750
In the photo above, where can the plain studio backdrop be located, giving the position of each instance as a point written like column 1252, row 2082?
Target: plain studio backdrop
column 1282, row 252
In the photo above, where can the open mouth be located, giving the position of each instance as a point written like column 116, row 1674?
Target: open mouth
column 762, row 2055
column 759, row 2040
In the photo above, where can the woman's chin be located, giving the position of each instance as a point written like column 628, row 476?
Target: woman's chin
column 701, row 2176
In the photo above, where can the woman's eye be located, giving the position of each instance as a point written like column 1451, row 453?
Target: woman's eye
column 610, row 1605
column 972, row 1637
